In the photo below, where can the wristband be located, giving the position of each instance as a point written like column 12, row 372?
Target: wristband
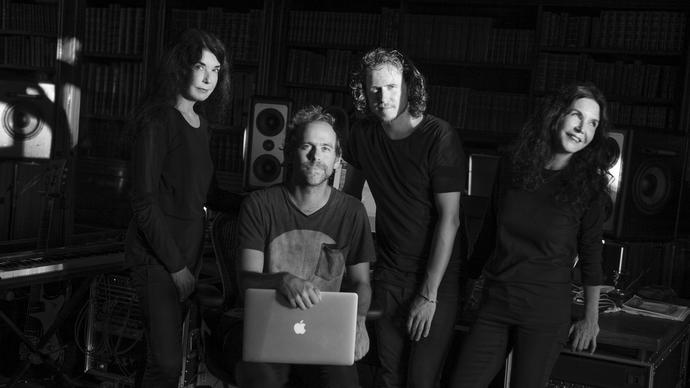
column 426, row 299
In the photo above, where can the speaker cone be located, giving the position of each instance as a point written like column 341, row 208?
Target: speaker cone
column 612, row 151
column 270, row 122
column 651, row 188
column 266, row 168
column 21, row 121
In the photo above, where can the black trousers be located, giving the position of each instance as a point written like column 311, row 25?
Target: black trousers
column 535, row 339
column 163, row 317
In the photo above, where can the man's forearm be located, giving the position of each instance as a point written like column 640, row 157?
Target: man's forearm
column 250, row 279
column 363, row 291
column 442, row 248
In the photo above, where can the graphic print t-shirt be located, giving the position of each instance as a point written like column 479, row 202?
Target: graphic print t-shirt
column 316, row 247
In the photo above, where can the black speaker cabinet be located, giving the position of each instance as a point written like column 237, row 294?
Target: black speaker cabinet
column 645, row 184
column 268, row 122
column 27, row 118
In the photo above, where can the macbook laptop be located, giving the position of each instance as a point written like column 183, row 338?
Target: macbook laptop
column 276, row 332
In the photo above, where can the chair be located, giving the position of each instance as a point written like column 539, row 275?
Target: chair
column 213, row 302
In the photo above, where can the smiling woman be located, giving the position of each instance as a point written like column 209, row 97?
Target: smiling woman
column 547, row 202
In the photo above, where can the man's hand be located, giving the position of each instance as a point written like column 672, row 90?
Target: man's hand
column 361, row 339
column 299, row 292
column 584, row 334
column 185, row 282
column 421, row 314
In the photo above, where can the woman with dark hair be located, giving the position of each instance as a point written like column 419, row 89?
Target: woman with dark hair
column 547, row 209
column 172, row 172
column 415, row 167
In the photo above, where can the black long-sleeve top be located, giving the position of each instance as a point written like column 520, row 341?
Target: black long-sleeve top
column 530, row 240
column 171, row 171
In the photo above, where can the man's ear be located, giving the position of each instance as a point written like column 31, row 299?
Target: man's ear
column 338, row 163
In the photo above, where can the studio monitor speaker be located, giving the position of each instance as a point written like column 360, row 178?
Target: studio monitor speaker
column 645, row 187
column 268, row 123
column 27, row 119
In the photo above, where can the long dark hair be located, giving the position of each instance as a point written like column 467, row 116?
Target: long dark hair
column 417, row 95
column 586, row 175
column 173, row 73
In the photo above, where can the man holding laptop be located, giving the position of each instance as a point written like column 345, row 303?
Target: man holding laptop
column 302, row 238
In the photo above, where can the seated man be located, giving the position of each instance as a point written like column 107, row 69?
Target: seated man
column 301, row 238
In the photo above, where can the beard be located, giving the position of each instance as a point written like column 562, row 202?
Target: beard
column 314, row 173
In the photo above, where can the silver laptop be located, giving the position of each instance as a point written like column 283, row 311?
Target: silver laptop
column 276, row 332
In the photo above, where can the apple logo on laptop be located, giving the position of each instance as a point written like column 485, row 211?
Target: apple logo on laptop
column 300, row 327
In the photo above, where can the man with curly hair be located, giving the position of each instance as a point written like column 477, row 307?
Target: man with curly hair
column 304, row 237
column 415, row 166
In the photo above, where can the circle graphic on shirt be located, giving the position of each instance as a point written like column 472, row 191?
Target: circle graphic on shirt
column 307, row 254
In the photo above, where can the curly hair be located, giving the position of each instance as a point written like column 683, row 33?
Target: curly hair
column 586, row 173
column 417, row 95
column 174, row 72
column 300, row 120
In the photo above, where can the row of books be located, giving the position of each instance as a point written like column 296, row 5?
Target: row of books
column 467, row 39
column 351, row 29
column 39, row 17
column 633, row 79
column 239, row 31
column 235, row 113
column 226, row 150
column 624, row 30
column 466, row 108
column 302, row 97
column 24, row 50
column 114, row 30
column 308, row 67
column 649, row 116
column 111, row 89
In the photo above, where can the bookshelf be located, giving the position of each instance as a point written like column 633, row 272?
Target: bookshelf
column 28, row 35
column 324, row 41
column 637, row 57
column 117, row 46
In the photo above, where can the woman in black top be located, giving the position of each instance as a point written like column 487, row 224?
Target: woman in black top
column 546, row 210
column 172, row 173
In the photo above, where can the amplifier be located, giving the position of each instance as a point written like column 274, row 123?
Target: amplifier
column 115, row 330
column 665, row 368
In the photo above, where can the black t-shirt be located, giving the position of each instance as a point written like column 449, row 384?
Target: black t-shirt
column 317, row 247
column 403, row 176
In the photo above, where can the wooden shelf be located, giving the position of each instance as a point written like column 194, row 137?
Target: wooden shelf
column 322, row 47
column 479, row 65
column 104, row 56
column 28, row 33
column 333, row 88
column 611, row 52
column 27, row 68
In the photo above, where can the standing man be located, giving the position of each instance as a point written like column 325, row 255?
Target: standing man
column 416, row 168
column 302, row 238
